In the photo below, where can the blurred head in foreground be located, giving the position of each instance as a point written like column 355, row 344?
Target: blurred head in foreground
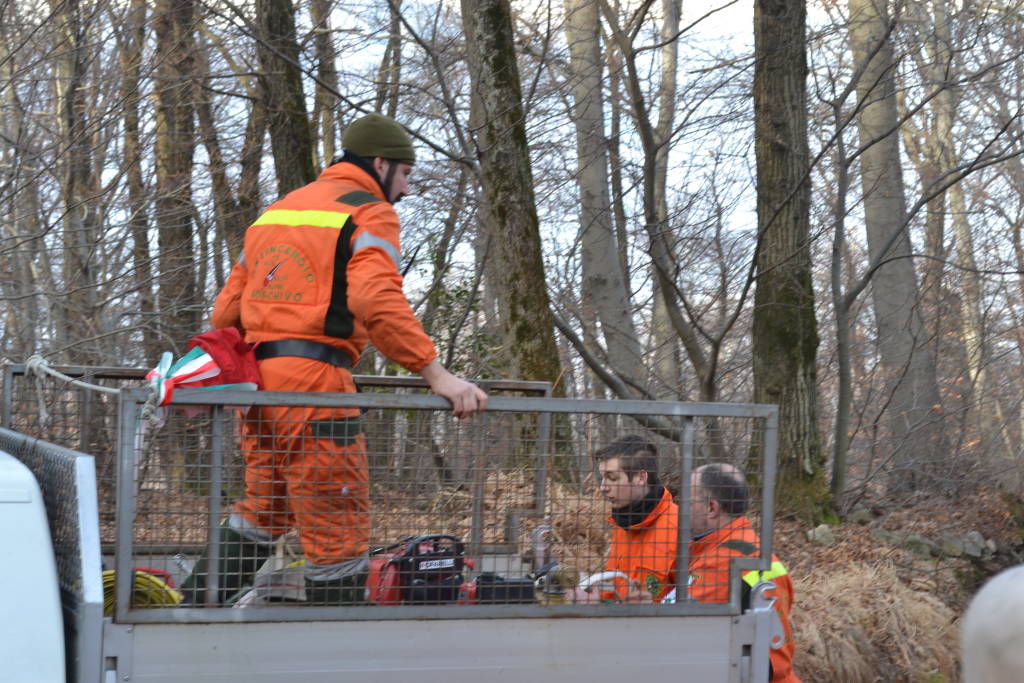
column 993, row 630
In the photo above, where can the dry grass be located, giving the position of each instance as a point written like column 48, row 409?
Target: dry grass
column 913, row 604
column 579, row 532
column 862, row 623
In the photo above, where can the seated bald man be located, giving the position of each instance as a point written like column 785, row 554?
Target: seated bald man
column 722, row 532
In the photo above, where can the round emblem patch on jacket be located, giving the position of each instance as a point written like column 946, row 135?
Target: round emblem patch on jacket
column 653, row 585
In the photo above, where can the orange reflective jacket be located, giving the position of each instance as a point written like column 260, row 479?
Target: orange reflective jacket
column 710, row 557
column 646, row 552
column 322, row 263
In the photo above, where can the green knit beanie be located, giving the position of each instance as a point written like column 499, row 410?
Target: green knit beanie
column 376, row 135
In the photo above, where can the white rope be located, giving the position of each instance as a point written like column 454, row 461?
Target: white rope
column 34, row 367
column 150, row 409
column 40, row 367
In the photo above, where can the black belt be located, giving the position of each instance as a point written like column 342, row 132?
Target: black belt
column 303, row 348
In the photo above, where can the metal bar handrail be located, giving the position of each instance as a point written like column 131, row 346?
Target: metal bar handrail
column 496, row 403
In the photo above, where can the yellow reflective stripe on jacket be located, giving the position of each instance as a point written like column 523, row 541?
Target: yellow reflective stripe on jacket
column 752, row 578
column 294, row 217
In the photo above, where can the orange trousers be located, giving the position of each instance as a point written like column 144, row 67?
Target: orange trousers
column 305, row 467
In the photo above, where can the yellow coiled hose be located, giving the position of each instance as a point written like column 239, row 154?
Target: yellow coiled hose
column 147, row 591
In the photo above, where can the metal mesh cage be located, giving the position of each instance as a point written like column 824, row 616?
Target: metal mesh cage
column 286, row 501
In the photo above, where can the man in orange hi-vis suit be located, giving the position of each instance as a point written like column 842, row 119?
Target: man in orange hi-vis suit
column 317, row 281
column 721, row 533
column 644, row 519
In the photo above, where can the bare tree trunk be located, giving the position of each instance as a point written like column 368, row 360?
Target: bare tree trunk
column 785, row 335
column 670, row 304
column 987, row 408
column 846, row 288
column 21, row 232
column 225, row 209
column 603, row 281
column 441, row 258
column 490, row 300
column 325, row 102
column 390, row 72
column 667, row 356
column 841, row 306
column 290, row 136
column 933, row 155
column 249, row 200
column 914, row 412
column 615, row 161
column 508, row 188
column 78, row 185
column 1018, row 253
column 179, row 299
column 138, row 201
column 934, row 299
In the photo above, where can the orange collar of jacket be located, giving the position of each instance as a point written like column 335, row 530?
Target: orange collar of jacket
column 661, row 508
column 346, row 171
column 737, row 528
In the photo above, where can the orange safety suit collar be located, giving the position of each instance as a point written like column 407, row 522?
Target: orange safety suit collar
column 739, row 527
column 364, row 165
column 365, row 177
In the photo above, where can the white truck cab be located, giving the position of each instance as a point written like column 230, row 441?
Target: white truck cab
column 29, row 590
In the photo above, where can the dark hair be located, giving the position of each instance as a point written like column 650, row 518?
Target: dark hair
column 635, row 453
column 725, row 485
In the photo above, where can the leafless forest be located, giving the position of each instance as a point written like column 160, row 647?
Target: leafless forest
column 812, row 204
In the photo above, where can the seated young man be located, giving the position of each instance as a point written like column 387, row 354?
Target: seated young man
column 644, row 520
column 645, row 528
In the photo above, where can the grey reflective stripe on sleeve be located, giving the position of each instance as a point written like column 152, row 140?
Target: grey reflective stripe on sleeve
column 249, row 531
column 365, row 239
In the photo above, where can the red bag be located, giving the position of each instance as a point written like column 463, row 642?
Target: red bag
column 232, row 354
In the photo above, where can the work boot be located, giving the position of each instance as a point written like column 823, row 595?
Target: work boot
column 348, row 590
column 239, row 560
